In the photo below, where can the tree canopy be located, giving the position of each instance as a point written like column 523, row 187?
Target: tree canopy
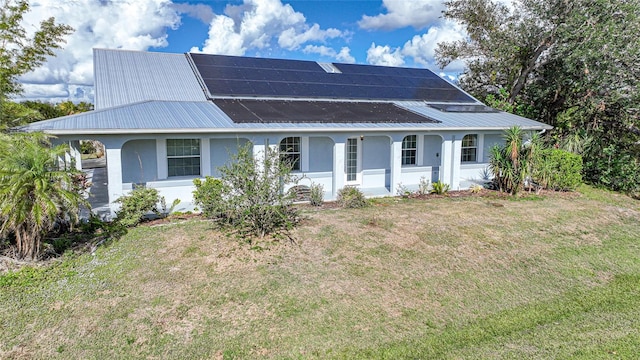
column 21, row 53
column 572, row 64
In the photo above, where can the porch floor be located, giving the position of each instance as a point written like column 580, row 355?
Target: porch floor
column 97, row 194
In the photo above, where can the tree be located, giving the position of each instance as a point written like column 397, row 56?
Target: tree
column 20, row 53
column 571, row 64
column 35, row 192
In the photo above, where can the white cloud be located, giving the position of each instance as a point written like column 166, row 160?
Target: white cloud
column 422, row 47
column 255, row 23
column 321, row 50
column 201, row 12
column 384, row 55
column 403, row 13
column 343, row 56
column 122, row 24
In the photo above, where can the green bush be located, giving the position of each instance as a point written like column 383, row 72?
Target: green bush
column 613, row 166
column 87, row 147
column 439, row 188
column 316, row 194
column 208, row 196
column 351, row 197
column 250, row 197
column 136, row 205
column 563, row 168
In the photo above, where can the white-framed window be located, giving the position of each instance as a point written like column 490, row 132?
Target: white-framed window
column 469, row 148
column 409, row 150
column 290, row 152
column 183, row 157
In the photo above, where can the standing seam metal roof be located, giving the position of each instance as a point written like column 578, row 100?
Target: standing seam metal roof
column 124, row 77
column 203, row 116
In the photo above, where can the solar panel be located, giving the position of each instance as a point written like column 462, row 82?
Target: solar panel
column 288, row 111
column 243, row 76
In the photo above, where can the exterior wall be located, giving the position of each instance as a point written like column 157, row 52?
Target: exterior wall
column 320, row 159
column 489, row 141
column 139, row 162
column 221, row 150
column 432, row 150
column 376, row 161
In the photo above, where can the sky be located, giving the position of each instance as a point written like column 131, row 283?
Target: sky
column 378, row 32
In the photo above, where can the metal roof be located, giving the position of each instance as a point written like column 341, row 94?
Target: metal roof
column 125, row 77
column 151, row 93
column 205, row 117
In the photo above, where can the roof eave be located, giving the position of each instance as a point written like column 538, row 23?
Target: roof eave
column 272, row 130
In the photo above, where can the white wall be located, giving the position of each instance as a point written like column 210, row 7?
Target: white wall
column 139, row 161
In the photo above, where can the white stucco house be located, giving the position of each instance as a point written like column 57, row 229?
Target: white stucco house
column 166, row 119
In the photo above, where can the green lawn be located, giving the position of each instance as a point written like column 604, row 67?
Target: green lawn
column 455, row 278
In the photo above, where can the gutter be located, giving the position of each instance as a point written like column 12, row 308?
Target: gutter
column 274, row 130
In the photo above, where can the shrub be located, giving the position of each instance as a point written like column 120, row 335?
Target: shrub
column 87, row 147
column 476, row 188
column 136, row 205
column 208, row 196
column 403, row 190
column 613, row 166
column 351, row 197
column 250, row 197
column 563, row 169
column 439, row 188
column 423, row 186
column 316, row 195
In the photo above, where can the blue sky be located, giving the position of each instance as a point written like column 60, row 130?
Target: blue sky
column 380, row 32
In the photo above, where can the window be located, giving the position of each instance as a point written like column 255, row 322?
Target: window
column 469, row 148
column 409, row 149
column 183, row 157
column 290, row 152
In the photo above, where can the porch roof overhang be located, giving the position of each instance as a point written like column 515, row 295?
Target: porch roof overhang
column 178, row 117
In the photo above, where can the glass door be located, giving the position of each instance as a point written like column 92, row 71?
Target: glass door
column 352, row 162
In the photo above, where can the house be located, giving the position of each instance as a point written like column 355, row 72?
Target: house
column 166, row 119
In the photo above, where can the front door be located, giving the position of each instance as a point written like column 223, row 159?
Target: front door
column 353, row 165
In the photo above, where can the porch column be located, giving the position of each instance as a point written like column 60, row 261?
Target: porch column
column 456, row 152
column 396, row 165
column 114, row 175
column 76, row 153
column 261, row 146
column 338, row 165
column 446, row 160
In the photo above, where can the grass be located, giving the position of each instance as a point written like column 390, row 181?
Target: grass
column 463, row 278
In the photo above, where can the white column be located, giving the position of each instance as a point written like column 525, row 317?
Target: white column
column 338, row 166
column 420, row 150
column 304, row 148
column 161, row 159
column 480, row 149
column 456, row 147
column 445, row 160
column 76, row 153
column 114, row 178
column 396, row 165
column 205, row 157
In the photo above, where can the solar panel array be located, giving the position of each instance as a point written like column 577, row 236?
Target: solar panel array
column 301, row 111
column 259, row 77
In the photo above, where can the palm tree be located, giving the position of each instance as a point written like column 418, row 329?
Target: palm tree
column 513, row 148
column 34, row 191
